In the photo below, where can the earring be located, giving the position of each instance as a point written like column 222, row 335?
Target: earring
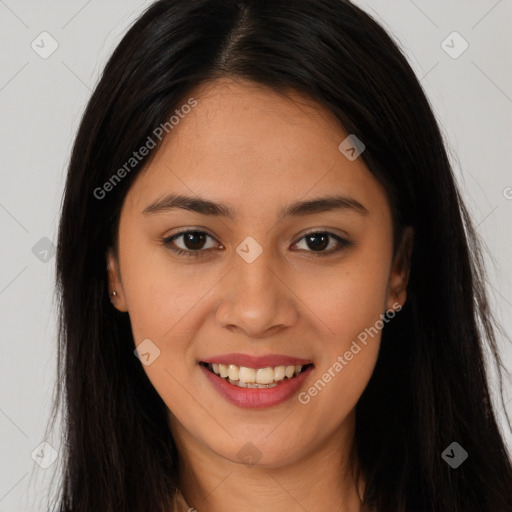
column 113, row 300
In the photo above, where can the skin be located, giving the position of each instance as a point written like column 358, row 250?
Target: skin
column 256, row 151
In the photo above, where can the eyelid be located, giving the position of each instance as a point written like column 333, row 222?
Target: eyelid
column 327, row 231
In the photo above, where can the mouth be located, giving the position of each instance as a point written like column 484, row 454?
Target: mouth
column 251, row 381
column 256, row 378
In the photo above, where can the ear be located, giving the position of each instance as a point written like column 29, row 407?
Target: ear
column 399, row 278
column 114, row 282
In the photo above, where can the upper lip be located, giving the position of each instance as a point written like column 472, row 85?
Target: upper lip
column 257, row 361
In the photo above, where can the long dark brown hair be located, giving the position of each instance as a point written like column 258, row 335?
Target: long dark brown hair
column 429, row 388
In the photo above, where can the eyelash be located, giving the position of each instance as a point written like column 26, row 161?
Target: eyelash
column 168, row 242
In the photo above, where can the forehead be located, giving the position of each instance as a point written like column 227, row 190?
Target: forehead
column 242, row 116
column 245, row 145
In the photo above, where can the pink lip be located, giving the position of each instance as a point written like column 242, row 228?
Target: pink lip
column 257, row 361
column 257, row 398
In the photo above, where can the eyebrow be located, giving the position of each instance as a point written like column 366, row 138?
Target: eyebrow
column 300, row 208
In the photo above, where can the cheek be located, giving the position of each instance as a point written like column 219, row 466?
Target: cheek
column 160, row 293
column 163, row 300
column 350, row 306
column 166, row 297
column 350, row 297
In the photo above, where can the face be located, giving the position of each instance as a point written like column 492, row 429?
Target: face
column 268, row 268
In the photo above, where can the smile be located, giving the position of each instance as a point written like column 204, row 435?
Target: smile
column 256, row 382
column 259, row 378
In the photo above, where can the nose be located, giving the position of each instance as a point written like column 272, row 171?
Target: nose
column 257, row 298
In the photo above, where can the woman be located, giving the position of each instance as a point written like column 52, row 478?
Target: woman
column 271, row 292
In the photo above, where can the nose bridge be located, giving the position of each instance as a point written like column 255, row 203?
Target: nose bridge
column 256, row 263
column 254, row 297
column 254, row 276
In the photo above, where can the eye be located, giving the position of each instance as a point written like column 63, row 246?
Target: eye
column 318, row 241
column 193, row 241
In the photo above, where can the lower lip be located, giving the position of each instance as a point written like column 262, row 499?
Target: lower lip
column 257, row 397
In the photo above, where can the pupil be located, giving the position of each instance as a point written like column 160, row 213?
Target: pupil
column 191, row 240
column 320, row 241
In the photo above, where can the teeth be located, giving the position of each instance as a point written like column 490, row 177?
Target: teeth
column 279, row 372
column 245, row 374
column 251, row 384
column 233, row 372
column 246, row 377
column 223, row 370
column 263, row 375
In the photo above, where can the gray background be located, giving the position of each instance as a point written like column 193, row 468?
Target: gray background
column 41, row 102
